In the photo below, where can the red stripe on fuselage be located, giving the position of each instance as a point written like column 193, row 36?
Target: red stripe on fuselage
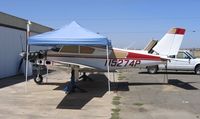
column 132, row 55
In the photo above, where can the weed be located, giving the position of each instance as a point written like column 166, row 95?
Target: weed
column 138, row 104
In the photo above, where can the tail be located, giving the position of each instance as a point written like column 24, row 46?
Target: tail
column 170, row 43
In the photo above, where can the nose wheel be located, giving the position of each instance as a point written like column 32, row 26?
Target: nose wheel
column 38, row 79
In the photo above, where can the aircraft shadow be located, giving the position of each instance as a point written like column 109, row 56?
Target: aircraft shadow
column 181, row 84
column 96, row 88
column 174, row 82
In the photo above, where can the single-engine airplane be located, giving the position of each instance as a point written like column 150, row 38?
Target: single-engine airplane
column 95, row 57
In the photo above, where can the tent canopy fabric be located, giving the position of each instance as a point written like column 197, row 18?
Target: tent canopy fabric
column 72, row 34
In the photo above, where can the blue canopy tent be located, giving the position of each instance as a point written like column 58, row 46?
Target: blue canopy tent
column 72, row 34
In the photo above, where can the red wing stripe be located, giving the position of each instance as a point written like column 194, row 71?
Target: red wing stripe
column 132, row 55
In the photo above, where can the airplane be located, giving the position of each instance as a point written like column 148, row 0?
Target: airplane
column 95, row 57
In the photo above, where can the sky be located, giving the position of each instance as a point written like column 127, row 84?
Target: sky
column 127, row 23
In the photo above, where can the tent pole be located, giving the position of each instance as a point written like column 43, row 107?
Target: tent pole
column 26, row 68
column 108, row 68
column 27, row 48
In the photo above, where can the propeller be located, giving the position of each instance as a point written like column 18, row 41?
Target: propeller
column 32, row 56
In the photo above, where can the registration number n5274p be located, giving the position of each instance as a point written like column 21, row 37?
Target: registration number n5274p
column 122, row 62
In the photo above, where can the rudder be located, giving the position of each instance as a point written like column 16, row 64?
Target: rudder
column 170, row 43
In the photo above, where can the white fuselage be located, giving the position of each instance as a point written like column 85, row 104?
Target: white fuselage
column 99, row 60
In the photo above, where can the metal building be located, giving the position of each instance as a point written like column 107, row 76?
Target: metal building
column 13, row 42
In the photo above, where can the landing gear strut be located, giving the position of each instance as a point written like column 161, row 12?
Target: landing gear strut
column 71, row 87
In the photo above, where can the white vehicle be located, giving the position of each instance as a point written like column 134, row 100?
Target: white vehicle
column 183, row 61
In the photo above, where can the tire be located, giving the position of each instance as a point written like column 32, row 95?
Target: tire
column 152, row 69
column 197, row 70
column 38, row 79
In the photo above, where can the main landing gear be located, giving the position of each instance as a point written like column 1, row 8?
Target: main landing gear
column 71, row 87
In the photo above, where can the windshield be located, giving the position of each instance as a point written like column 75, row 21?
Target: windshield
column 189, row 53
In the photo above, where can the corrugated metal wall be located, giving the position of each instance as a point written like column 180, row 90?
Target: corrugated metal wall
column 12, row 34
column 11, row 41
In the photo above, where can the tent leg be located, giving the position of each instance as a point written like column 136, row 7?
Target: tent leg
column 27, row 49
column 26, row 68
column 108, row 69
column 47, row 74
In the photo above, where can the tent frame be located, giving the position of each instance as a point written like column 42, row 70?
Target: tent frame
column 27, row 51
column 108, row 67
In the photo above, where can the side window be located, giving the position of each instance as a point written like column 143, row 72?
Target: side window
column 182, row 55
column 69, row 49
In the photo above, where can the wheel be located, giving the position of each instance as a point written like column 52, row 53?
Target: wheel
column 152, row 69
column 197, row 70
column 38, row 79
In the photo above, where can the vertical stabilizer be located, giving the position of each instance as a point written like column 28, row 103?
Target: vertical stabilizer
column 170, row 43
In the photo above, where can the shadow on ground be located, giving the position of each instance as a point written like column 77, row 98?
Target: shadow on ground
column 5, row 82
column 99, row 86
column 8, row 81
column 174, row 82
column 181, row 84
column 96, row 88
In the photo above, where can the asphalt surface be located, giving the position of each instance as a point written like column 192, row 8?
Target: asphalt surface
column 155, row 97
column 49, row 101
column 134, row 95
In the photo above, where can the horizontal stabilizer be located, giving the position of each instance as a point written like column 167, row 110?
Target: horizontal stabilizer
column 150, row 45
